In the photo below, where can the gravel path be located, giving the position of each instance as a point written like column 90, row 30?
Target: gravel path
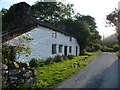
column 100, row 73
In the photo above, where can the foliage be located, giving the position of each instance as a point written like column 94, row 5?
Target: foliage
column 83, row 28
column 36, row 62
column 49, row 61
column 97, row 46
column 39, row 63
column 52, row 74
column 118, row 54
column 114, row 19
column 116, row 48
column 95, row 37
column 51, row 12
column 106, row 49
column 111, row 44
column 13, row 52
column 7, row 17
column 70, row 57
column 78, row 29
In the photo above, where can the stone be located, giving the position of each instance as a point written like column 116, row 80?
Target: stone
column 13, row 72
column 5, row 66
column 25, row 65
column 13, row 65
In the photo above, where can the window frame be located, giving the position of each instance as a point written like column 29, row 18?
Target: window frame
column 70, row 39
column 60, row 48
column 54, row 48
column 54, row 34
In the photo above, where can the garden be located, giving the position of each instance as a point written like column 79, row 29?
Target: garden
column 59, row 69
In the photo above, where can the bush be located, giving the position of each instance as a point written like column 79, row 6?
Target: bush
column 49, row 61
column 58, row 58
column 106, row 49
column 118, row 54
column 64, row 57
column 70, row 56
column 97, row 46
column 36, row 62
column 115, row 48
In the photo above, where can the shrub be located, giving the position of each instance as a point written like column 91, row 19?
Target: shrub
column 106, row 49
column 118, row 54
column 115, row 48
column 70, row 56
column 57, row 58
column 64, row 57
column 97, row 46
column 49, row 61
column 36, row 62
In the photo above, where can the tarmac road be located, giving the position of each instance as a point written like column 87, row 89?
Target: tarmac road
column 100, row 73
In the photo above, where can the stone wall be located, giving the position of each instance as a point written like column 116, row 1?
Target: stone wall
column 16, row 74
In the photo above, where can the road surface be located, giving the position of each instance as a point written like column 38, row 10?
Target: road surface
column 100, row 73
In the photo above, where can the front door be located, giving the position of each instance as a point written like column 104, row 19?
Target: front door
column 65, row 50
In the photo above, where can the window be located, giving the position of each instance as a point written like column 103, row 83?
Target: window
column 70, row 39
column 54, row 34
column 54, row 50
column 60, row 48
column 70, row 49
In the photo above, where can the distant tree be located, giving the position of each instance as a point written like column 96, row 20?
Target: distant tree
column 51, row 12
column 4, row 11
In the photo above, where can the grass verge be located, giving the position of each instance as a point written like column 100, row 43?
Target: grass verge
column 50, row 75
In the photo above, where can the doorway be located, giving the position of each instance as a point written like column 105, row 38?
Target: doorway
column 65, row 50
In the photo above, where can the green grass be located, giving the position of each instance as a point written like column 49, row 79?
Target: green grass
column 50, row 75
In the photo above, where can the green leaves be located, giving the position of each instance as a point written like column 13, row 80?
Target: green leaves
column 12, row 53
column 57, row 72
column 51, row 12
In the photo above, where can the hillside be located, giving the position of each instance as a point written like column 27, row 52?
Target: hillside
column 112, row 37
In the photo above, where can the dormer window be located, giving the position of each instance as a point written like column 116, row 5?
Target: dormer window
column 54, row 34
column 70, row 39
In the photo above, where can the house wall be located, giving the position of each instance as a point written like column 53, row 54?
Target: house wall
column 41, row 46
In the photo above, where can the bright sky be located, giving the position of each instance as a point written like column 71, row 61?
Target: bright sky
column 96, row 8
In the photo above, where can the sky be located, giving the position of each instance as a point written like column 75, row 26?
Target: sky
column 98, row 9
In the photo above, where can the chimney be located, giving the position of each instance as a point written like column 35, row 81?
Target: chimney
column 20, row 8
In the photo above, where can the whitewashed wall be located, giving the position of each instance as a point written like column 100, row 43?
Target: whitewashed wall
column 41, row 46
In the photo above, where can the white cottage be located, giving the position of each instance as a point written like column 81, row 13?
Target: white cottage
column 47, row 42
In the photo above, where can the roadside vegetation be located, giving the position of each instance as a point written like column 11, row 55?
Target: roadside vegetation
column 114, row 20
column 53, row 73
column 111, row 46
column 118, row 54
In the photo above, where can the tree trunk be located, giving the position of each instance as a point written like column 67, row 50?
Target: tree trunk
column 81, row 50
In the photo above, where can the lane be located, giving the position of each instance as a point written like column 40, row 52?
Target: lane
column 100, row 73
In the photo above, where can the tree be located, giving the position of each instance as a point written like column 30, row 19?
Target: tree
column 51, row 12
column 78, row 29
column 13, row 52
column 94, row 34
column 114, row 19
